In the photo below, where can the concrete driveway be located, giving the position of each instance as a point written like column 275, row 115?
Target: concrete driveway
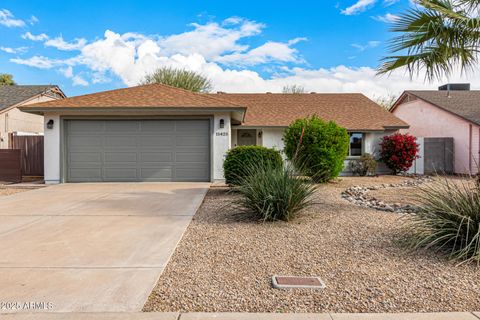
column 92, row 246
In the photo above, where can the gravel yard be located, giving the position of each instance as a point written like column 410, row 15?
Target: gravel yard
column 405, row 195
column 394, row 195
column 225, row 265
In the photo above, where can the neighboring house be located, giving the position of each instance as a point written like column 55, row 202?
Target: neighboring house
column 12, row 119
column 452, row 111
column 160, row 133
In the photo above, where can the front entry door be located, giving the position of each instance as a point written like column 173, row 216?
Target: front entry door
column 247, row 137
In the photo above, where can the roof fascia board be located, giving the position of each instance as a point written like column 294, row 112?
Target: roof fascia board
column 40, row 110
column 349, row 130
column 404, row 93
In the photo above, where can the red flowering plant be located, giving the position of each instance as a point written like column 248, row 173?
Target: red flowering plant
column 398, row 151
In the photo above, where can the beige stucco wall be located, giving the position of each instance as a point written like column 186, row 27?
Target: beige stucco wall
column 273, row 138
column 426, row 120
column 13, row 120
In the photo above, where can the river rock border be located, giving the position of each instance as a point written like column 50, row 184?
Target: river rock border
column 359, row 195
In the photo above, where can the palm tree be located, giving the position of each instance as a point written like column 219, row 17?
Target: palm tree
column 437, row 36
column 180, row 78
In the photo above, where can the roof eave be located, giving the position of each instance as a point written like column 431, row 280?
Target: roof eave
column 396, row 127
column 384, row 128
column 42, row 110
column 444, row 109
column 396, row 103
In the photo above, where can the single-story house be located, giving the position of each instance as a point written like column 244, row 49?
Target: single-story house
column 12, row 120
column 160, row 133
column 451, row 111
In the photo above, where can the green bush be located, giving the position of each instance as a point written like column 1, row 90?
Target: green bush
column 448, row 219
column 321, row 147
column 239, row 157
column 273, row 193
column 366, row 165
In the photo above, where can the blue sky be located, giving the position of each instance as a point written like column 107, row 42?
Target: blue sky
column 88, row 46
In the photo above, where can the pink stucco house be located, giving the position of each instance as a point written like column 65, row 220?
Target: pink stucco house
column 452, row 111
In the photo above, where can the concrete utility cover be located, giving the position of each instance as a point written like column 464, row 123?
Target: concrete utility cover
column 290, row 282
column 92, row 247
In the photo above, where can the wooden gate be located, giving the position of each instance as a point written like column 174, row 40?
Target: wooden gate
column 10, row 165
column 31, row 155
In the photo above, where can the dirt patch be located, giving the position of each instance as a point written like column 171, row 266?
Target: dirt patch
column 6, row 191
column 225, row 265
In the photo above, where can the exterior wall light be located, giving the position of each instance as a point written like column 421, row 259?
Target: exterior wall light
column 50, row 124
column 260, row 133
column 222, row 123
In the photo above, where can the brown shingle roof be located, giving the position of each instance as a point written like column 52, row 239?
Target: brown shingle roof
column 350, row 110
column 353, row 111
column 465, row 104
column 145, row 96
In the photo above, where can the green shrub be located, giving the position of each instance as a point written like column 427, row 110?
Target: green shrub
column 239, row 157
column 321, row 147
column 273, row 193
column 448, row 219
column 366, row 165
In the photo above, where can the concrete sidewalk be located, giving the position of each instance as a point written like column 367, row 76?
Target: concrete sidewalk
column 244, row 316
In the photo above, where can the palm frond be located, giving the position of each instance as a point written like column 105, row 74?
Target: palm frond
column 437, row 38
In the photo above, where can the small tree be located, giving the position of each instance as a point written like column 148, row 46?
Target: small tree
column 294, row 88
column 6, row 79
column 398, row 151
column 318, row 147
column 387, row 101
column 180, row 78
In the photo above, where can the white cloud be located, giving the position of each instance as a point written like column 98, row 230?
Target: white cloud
column 212, row 39
column 337, row 79
column 7, row 49
column 98, row 77
column 14, row 50
column 33, row 20
column 387, row 18
column 79, row 81
column 368, row 45
column 271, row 51
column 40, row 62
column 67, row 72
column 63, row 45
column 388, row 3
column 39, row 37
column 359, row 6
column 7, row 19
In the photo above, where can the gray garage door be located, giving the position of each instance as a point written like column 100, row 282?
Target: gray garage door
column 138, row 150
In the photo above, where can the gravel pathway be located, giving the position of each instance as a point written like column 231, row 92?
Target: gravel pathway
column 224, row 265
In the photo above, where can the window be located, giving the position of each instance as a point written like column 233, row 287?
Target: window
column 356, row 144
